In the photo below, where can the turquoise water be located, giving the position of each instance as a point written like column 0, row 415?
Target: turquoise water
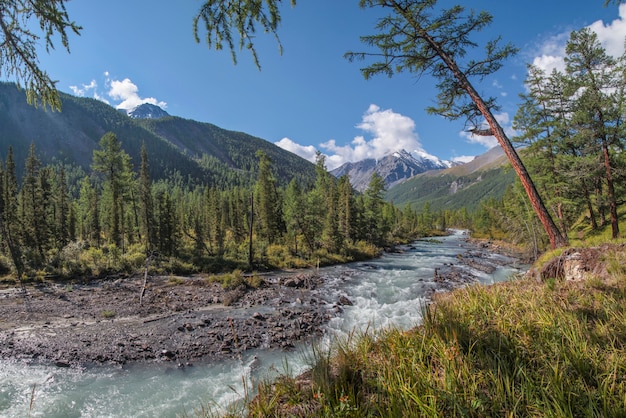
column 389, row 291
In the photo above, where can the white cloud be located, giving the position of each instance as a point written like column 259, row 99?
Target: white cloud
column 128, row 93
column 549, row 63
column 389, row 132
column 84, row 88
column 610, row 35
column 125, row 92
column 307, row 152
column 89, row 89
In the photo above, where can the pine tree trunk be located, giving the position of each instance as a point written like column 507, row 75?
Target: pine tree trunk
column 592, row 213
column 250, row 249
column 555, row 236
column 610, row 190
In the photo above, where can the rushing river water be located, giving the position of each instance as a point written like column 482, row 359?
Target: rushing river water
column 389, row 291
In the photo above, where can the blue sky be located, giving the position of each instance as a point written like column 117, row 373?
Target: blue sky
column 310, row 98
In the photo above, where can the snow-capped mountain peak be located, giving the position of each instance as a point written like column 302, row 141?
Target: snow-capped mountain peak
column 146, row 111
column 394, row 168
column 421, row 155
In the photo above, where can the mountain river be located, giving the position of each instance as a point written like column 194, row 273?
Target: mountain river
column 388, row 291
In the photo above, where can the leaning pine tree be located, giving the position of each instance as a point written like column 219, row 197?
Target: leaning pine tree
column 415, row 39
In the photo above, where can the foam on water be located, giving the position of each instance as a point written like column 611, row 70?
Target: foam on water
column 387, row 292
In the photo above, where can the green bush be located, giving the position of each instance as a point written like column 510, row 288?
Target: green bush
column 108, row 314
column 5, row 265
column 363, row 250
column 70, row 260
column 134, row 259
column 255, row 281
column 174, row 265
column 277, row 255
column 93, row 261
column 175, row 281
column 232, row 280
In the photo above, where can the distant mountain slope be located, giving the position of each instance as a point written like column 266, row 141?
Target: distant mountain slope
column 465, row 185
column 393, row 168
column 207, row 143
column 202, row 152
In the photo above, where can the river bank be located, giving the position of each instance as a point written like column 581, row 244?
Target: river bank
column 548, row 344
column 182, row 320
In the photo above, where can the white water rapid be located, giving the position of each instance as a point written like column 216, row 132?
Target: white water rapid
column 389, row 291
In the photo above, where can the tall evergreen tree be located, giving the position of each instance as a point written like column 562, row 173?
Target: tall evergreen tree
column 166, row 224
column 544, row 122
column 598, row 85
column 33, row 219
column 332, row 239
column 112, row 162
column 10, row 222
column 416, row 38
column 62, row 210
column 374, row 203
column 215, row 221
column 89, row 213
column 269, row 205
column 146, row 202
column 346, row 208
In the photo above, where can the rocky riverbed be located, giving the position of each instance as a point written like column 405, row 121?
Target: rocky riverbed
column 180, row 320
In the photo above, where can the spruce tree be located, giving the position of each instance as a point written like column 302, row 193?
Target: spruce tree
column 62, row 210
column 111, row 162
column 268, row 205
column 146, row 201
column 598, row 88
column 10, row 223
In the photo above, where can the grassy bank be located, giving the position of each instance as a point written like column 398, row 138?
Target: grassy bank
column 520, row 348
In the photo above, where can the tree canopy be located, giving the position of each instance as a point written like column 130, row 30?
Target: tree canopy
column 220, row 17
column 18, row 44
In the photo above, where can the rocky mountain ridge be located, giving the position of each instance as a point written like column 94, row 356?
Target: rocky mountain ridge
column 146, row 111
column 394, row 168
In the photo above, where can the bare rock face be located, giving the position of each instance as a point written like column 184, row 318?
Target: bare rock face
column 576, row 264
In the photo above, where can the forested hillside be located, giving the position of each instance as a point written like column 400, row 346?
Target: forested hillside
column 214, row 148
column 199, row 152
column 463, row 186
column 91, row 191
column 445, row 191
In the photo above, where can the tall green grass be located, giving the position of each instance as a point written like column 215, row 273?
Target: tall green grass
column 519, row 348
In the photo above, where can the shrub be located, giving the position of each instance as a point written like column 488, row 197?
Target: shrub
column 93, row 261
column 134, row 259
column 363, row 250
column 175, row 265
column 175, row 281
column 108, row 314
column 279, row 256
column 70, row 259
column 255, row 281
column 232, row 280
column 5, row 266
